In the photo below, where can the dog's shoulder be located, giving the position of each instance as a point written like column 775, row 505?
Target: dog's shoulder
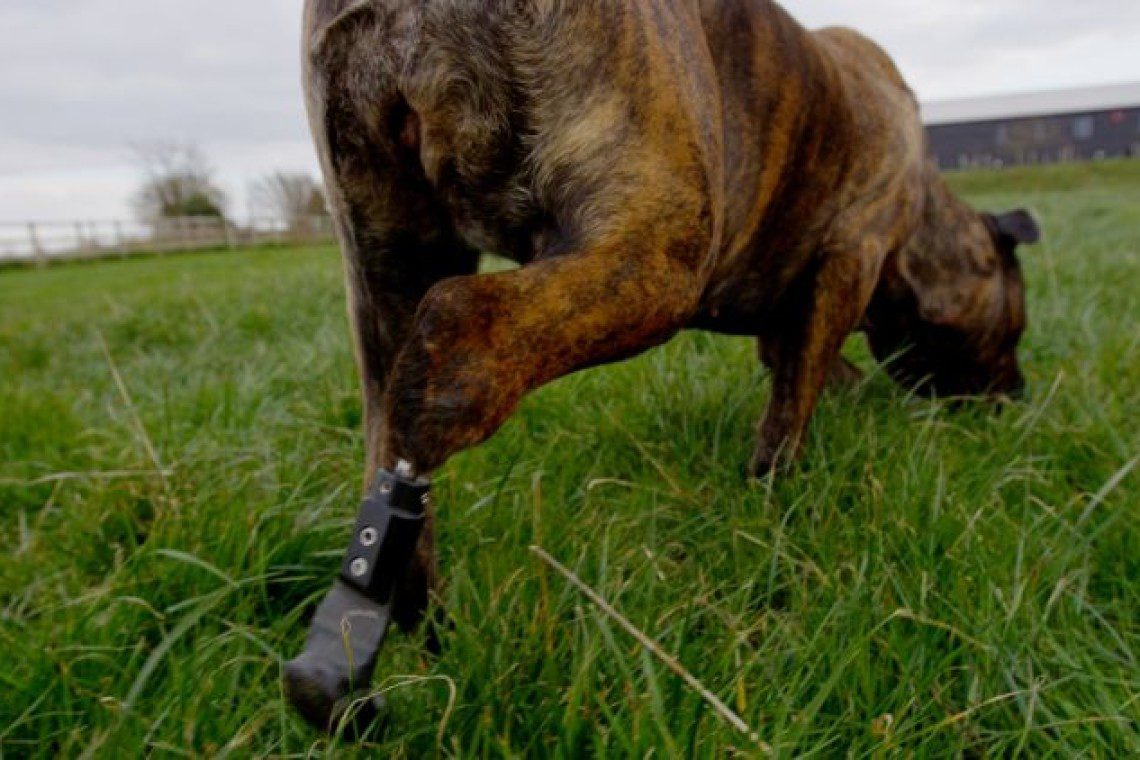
column 863, row 55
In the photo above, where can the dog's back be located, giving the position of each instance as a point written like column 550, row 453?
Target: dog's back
column 535, row 122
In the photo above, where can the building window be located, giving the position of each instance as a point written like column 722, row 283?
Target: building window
column 1003, row 135
column 1084, row 127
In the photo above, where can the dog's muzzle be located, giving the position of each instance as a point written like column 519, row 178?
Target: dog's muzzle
column 326, row 682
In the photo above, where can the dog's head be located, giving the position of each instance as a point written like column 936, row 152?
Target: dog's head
column 950, row 309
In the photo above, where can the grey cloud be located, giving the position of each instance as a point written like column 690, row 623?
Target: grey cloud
column 91, row 72
column 954, row 48
column 81, row 79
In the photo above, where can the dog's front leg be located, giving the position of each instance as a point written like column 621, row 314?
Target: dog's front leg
column 477, row 345
column 480, row 343
column 802, row 350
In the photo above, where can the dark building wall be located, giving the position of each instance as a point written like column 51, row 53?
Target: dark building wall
column 1037, row 140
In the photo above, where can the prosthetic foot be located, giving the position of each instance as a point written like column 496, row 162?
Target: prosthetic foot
column 327, row 680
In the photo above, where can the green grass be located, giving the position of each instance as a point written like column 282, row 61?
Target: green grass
column 931, row 582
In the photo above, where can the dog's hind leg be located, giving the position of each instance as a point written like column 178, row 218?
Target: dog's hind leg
column 397, row 242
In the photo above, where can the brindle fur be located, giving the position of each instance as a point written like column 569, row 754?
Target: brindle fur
column 653, row 165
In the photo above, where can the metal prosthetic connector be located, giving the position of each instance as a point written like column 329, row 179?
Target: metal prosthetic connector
column 349, row 627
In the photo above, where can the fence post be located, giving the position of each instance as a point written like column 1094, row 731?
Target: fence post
column 120, row 241
column 182, row 230
column 37, row 249
column 80, row 245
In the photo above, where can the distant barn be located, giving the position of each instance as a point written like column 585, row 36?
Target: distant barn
column 1036, row 128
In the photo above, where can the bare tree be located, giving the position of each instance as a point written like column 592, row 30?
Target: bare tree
column 295, row 198
column 178, row 181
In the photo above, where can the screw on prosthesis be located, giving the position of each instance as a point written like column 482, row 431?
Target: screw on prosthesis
column 326, row 681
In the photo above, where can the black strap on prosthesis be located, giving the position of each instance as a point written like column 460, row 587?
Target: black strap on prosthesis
column 386, row 534
column 349, row 627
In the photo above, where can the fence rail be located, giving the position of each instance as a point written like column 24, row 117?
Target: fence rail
column 44, row 242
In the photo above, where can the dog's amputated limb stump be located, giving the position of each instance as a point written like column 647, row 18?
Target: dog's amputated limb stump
column 325, row 683
column 723, row 711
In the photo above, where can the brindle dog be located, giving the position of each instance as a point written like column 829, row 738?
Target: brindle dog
column 653, row 165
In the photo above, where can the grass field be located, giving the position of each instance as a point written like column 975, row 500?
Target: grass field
column 932, row 582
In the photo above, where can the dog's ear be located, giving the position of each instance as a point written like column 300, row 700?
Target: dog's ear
column 1017, row 227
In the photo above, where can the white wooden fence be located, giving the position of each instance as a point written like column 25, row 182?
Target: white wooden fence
column 44, row 242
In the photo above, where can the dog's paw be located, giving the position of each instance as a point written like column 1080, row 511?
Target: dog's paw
column 763, row 469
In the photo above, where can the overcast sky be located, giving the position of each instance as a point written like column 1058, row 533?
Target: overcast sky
column 81, row 80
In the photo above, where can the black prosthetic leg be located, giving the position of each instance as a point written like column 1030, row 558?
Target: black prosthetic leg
column 349, row 627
